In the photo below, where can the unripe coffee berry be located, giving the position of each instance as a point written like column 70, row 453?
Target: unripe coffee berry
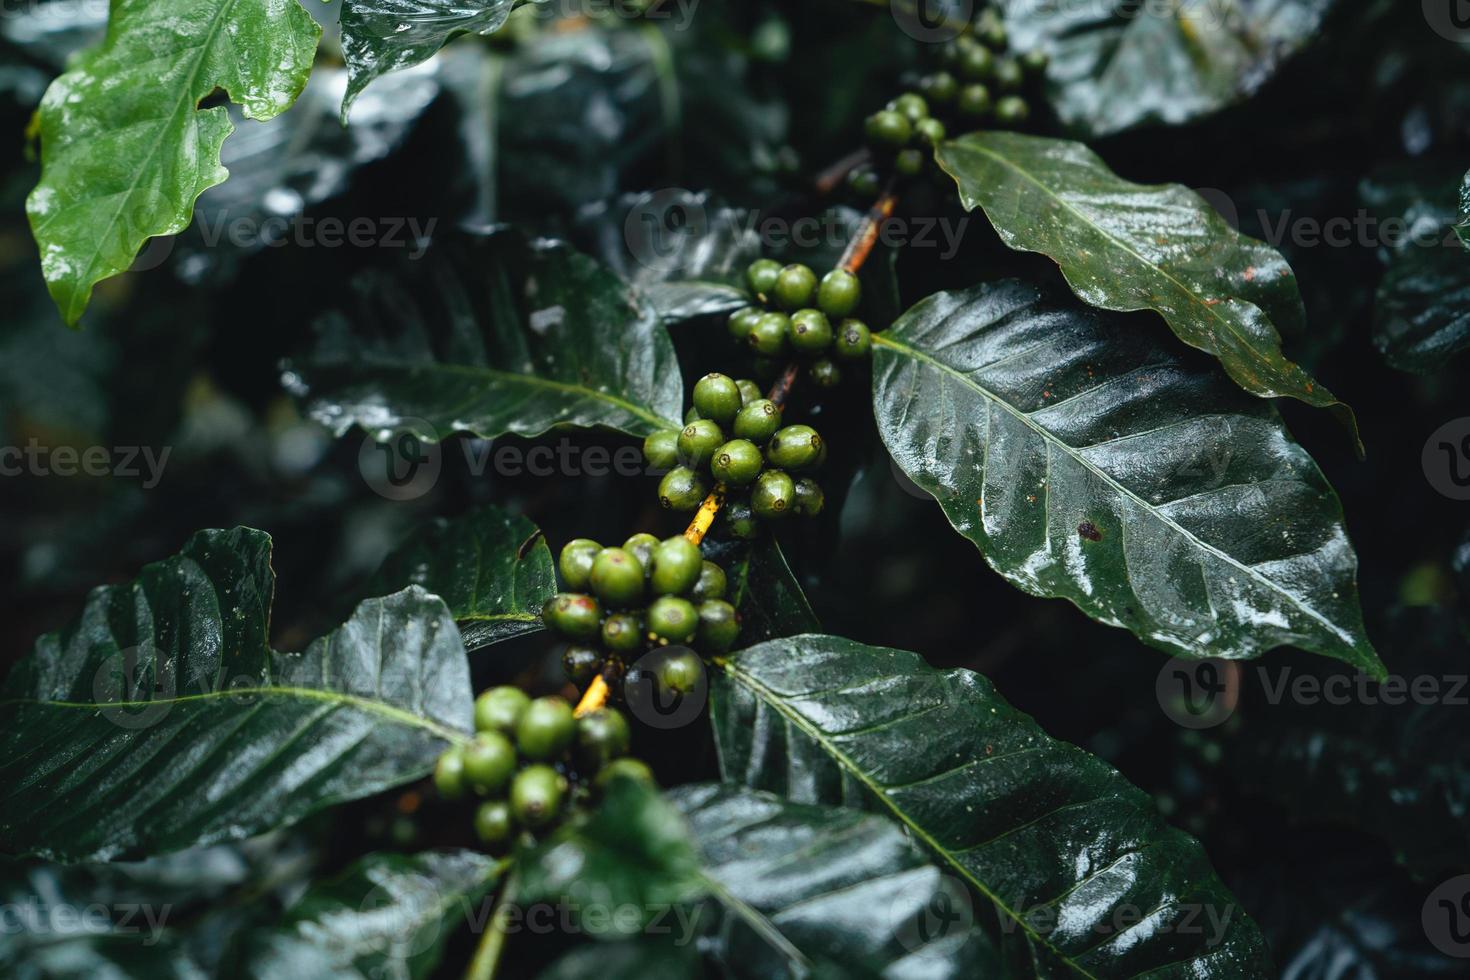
column 581, row 663
column 634, row 769
column 545, row 728
column 810, row 331
column 794, row 447
column 909, row 163
column 602, row 736
column 742, row 320
column 976, row 63
column 768, row 336
column 1034, row 62
column 681, row 489
column 622, row 632
column 758, row 421
column 840, row 291
column 740, row 520
column 576, row 558
column 718, row 626
column 888, row 129
column 773, row 495
column 489, row 762
column 761, row 276
column 809, row 497
column 795, row 286
column 737, row 462
column 711, row 583
column 676, row 563
column 1012, row 111
column 717, row 397
column 974, row 101
column 641, row 546
column 1008, row 75
column 573, row 615
column 449, row 778
column 749, row 391
column 661, row 449
column 910, row 105
column 825, row 373
column 939, row 87
column 500, row 708
column 864, row 182
column 681, row 673
column 617, row 577
column 494, row 824
column 673, row 619
column 536, row 796
column 854, row 340
column 931, row 132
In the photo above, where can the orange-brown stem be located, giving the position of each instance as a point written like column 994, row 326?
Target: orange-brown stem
column 862, row 243
column 828, row 179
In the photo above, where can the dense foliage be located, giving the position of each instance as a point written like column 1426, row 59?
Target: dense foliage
column 472, row 472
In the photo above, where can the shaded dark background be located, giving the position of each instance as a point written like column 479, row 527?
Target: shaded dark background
column 187, row 356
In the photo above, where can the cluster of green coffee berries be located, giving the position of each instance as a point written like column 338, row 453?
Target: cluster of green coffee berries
column 531, row 761
column 608, row 617
column 802, row 316
column 740, row 444
column 978, row 84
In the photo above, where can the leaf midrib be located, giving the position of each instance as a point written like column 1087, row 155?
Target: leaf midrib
column 367, row 705
column 886, row 341
column 817, row 735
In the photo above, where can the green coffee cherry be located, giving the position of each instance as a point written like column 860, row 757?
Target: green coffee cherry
column 573, row 615
column 974, row 101
column 545, row 729
column 1008, row 75
column 909, row 163
column 795, row 286
column 718, row 626
column 681, row 673
column 1012, row 111
column 768, row 336
column 737, row 463
column 794, row 447
column 622, row 632
column 581, row 663
column 673, row 619
column 641, row 546
column 740, row 520
column 758, row 421
column 625, row 768
column 676, row 564
column 911, row 106
column 864, row 182
column 698, row 440
column 761, row 276
column 825, row 373
column 711, row 583
column 991, row 32
column 749, row 391
column 840, row 291
column 681, row 489
column 1034, row 62
column 500, row 708
column 536, row 796
column 493, row 823
column 773, row 495
column 742, row 320
column 449, row 774
column 661, row 450
column 931, row 132
column 602, row 736
column 717, row 397
column 854, row 340
column 888, row 129
column 810, row 331
column 939, row 87
column 809, row 498
column 576, row 559
column 489, row 761
column 617, row 577
column 976, row 63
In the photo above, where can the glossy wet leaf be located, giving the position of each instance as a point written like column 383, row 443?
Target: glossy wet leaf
column 1422, row 312
column 379, row 36
column 1125, row 246
column 388, row 915
column 161, row 719
column 1062, row 845
column 1088, row 458
column 125, row 150
column 826, row 891
column 491, row 567
column 490, row 334
column 763, row 589
column 631, row 850
column 1116, row 66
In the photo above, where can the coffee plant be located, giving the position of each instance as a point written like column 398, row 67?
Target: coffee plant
column 564, row 391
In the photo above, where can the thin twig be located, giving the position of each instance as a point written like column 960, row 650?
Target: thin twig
column 492, row 944
column 828, row 179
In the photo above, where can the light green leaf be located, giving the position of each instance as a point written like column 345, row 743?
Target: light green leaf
column 1075, row 859
column 379, row 36
column 1090, row 459
column 491, row 567
column 1125, row 246
column 125, row 149
column 161, row 719
column 491, row 334
column 1119, row 65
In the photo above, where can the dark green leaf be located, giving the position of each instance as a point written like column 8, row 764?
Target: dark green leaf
column 387, row 915
column 762, row 588
column 492, row 568
column 1089, row 459
column 1116, row 66
column 379, row 36
column 634, row 959
column 1075, row 859
column 1422, row 312
column 491, row 334
column 1125, row 246
column 633, row 850
column 162, row 719
column 828, row 891
column 125, row 150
